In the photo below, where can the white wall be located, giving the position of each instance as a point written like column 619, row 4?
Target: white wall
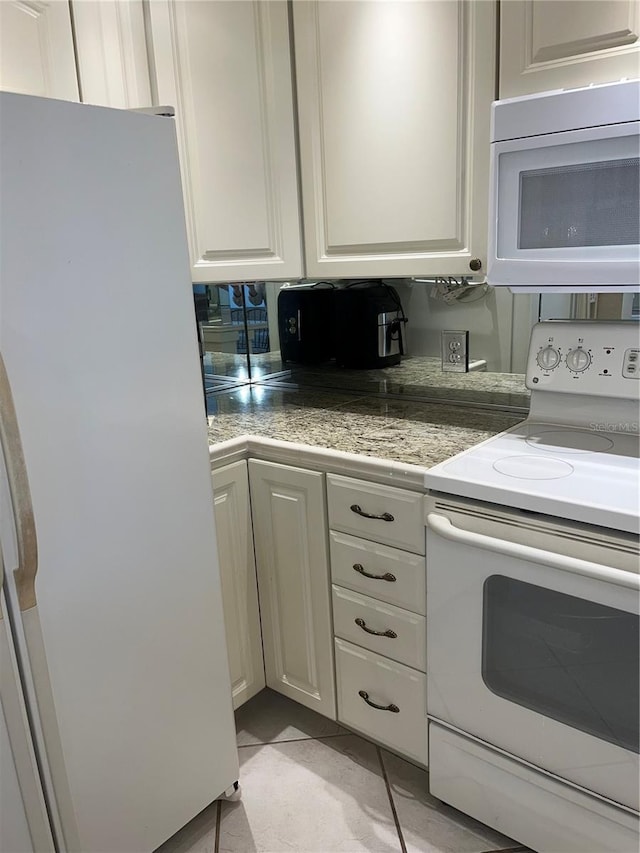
column 489, row 321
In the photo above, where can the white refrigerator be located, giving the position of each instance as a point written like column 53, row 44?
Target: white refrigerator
column 117, row 725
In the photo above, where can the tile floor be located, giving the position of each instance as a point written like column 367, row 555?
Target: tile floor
column 310, row 785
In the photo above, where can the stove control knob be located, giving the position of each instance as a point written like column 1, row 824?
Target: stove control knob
column 548, row 358
column 578, row 360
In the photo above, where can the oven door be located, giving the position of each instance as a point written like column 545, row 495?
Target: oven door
column 564, row 209
column 534, row 651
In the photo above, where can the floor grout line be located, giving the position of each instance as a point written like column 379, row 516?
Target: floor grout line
column 294, row 740
column 216, row 846
column 403, row 846
column 519, row 849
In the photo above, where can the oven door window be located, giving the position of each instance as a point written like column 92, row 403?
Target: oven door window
column 570, row 659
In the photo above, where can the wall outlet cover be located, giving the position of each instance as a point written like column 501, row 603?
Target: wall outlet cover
column 455, row 351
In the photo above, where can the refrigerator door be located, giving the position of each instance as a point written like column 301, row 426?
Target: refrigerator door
column 123, row 642
column 24, row 823
column 14, row 826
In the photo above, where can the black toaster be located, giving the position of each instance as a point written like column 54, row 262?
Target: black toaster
column 306, row 323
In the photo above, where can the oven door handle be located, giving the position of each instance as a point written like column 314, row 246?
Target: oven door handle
column 443, row 527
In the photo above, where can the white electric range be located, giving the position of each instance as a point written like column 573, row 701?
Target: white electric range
column 533, row 602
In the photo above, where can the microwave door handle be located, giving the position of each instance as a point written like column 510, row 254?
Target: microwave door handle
column 442, row 526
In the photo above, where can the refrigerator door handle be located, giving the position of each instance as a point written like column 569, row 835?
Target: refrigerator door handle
column 11, row 444
column 48, row 744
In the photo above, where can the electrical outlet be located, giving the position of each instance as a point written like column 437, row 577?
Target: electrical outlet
column 455, row 351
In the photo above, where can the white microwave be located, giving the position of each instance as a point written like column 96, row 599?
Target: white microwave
column 565, row 190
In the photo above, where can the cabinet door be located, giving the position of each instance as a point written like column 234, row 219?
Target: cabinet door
column 290, row 529
column 393, row 102
column 112, row 53
column 36, row 49
column 226, row 68
column 566, row 43
column 238, row 578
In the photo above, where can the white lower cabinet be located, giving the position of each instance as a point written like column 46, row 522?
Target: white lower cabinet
column 238, row 578
column 389, row 574
column 382, row 513
column 391, row 631
column 380, row 643
column 290, row 529
column 366, row 604
column 382, row 699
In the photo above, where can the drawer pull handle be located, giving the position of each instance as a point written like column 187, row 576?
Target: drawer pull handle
column 387, row 576
column 388, row 633
column 393, row 708
column 386, row 516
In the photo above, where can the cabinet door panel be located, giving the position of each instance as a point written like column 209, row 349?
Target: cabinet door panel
column 238, row 578
column 112, row 53
column 226, row 68
column 290, row 527
column 393, row 102
column 36, row 49
column 567, row 43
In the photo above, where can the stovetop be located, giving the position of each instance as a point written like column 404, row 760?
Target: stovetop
column 583, row 470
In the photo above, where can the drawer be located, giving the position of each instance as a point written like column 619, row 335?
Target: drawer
column 386, row 683
column 401, row 634
column 403, row 510
column 398, row 577
column 516, row 799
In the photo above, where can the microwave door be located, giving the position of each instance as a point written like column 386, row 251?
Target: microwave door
column 566, row 209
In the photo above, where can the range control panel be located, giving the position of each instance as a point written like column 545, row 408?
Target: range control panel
column 585, row 357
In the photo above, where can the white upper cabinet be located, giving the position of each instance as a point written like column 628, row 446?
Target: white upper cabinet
column 393, row 103
column 36, row 49
column 112, row 53
column 563, row 44
column 226, row 68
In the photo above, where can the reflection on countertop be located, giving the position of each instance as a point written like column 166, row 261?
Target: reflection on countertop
column 400, row 430
column 419, row 377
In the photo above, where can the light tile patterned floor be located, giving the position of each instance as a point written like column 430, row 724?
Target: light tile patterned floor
column 310, row 785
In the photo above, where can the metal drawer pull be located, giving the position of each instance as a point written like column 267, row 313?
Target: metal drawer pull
column 386, row 516
column 387, row 576
column 393, row 708
column 388, row 633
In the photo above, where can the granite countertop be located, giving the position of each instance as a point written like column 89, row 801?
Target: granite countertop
column 415, row 433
